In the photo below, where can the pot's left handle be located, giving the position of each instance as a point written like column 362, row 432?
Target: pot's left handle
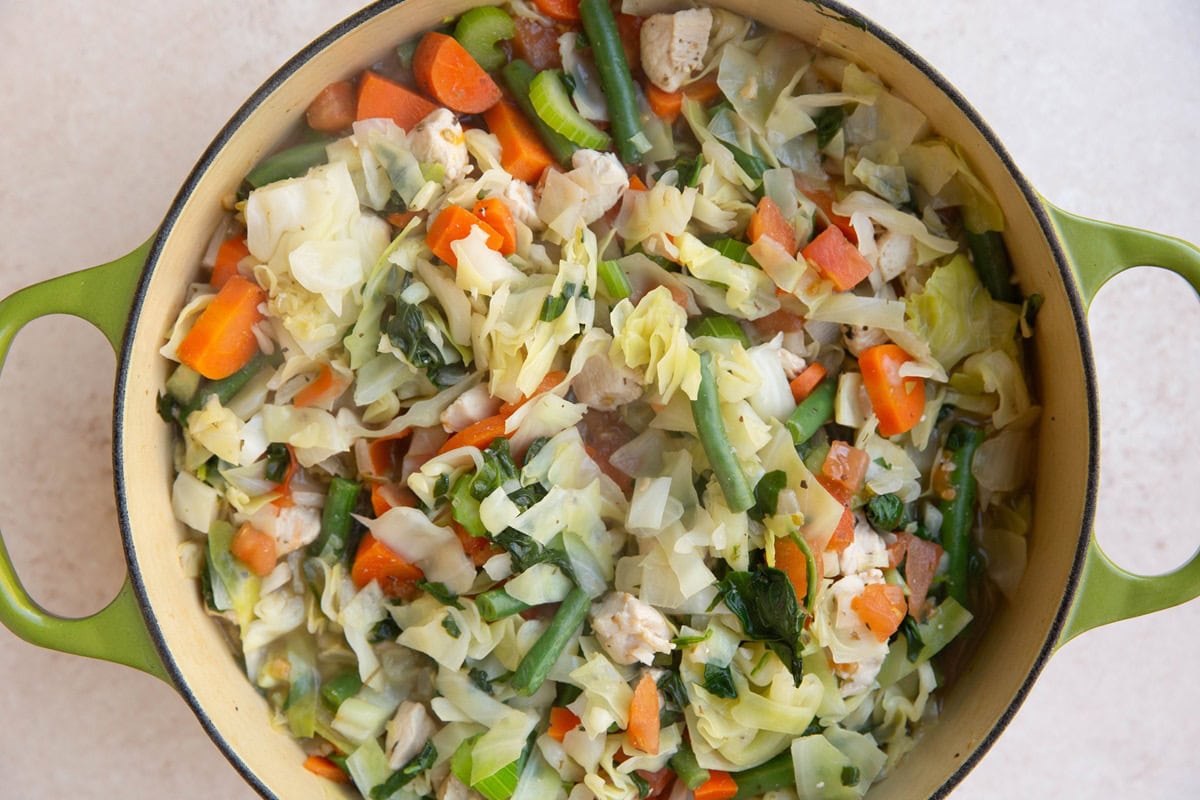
column 1099, row 251
column 102, row 296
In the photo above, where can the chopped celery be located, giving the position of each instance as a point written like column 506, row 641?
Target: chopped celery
column 613, row 278
column 734, row 249
column 553, row 105
column 183, row 383
column 341, row 688
column 500, row 785
column 946, row 622
column 480, row 29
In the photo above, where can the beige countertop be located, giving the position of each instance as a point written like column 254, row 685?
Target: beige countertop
column 107, row 106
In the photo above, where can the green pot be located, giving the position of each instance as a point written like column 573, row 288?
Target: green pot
column 157, row 623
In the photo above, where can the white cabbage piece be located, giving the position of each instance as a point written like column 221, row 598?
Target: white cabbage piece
column 588, row 95
column 217, row 429
column 606, row 695
column 748, row 290
column 653, row 335
column 540, row 584
column 1000, row 373
column 480, row 269
column 194, row 502
column 329, row 269
column 432, row 548
column 315, row 434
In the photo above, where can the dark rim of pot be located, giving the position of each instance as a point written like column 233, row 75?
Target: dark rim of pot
column 830, row 8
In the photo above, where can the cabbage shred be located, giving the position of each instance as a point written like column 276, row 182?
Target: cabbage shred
column 581, row 354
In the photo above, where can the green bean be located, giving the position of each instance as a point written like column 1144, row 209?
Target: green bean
column 719, row 326
column 687, row 768
column 497, row 604
column 706, row 411
column 778, row 773
column 990, row 256
column 535, row 666
column 336, row 519
column 615, row 78
column 518, row 75
column 958, row 506
column 810, row 564
column 225, row 389
column 813, row 412
column 290, row 163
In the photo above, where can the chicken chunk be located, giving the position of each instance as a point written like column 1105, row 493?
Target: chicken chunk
column 630, row 630
column 518, row 196
column 602, row 177
column 859, row 337
column 605, row 385
column 470, row 407
column 897, row 252
column 673, row 46
column 867, row 551
column 438, row 139
column 293, row 527
column 454, row 789
column 407, row 733
column 792, row 364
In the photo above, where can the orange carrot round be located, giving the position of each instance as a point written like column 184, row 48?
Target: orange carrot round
column 480, row 434
column 561, row 10
column 803, row 384
column 522, row 153
column 379, row 98
column 326, row 387
column 222, row 341
column 446, row 72
column 255, row 549
column 455, row 223
column 824, row 200
column 898, row 402
column 333, row 110
column 665, row 105
column 643, row 728
column 375, row 561
column 322, row 766
column 719, row 786
column 499, row 218
column 229, row 255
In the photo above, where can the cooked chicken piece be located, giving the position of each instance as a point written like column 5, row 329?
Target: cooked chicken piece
column 471, row 406
column 673, row 46
column 602, row 177
column 897, row 252
column 792, row 364
column 293, row 527
column 605, row 385
column 407, row 733
column 867, row 551
column 859, row 337
column 518, row 196
column 438, row 139
column 454, row 789
column 630, row 630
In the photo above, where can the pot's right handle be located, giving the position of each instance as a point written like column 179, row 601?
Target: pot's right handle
column 1098, row 251
column 102, row 296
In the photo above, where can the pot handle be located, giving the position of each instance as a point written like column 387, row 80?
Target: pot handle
column 102, row 296
column 1098, row 251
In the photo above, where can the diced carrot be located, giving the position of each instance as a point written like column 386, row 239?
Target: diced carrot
column 839, row 492
column 719, row 786
column 561, row 10
column 803, row 384
column 703, row 91
column 522, row 153
column 789, row 558
column 222, row 340
column 386, row 496
column 824, row 201
column 375, row 561
column 285, row 486
column 562, row 722
column 846, row 465
column 385, row 453
column 537, row 44
column 399, row 219
column 898, row 402
column 455, row 223
column 446, row 72
column 636, row 184
column 333, row 110
column 322, row 766
column 229, row 255
column 643, row 728
column 896, row 551
column 920, row 565
column 767, row 220
column 255, row 549
column 838, row 261
column 665, row 105
column 479, row 434
column 629, row 28
column 881, row 607
column 478, row 548
column 553, row 378
column 497, row 216
column 843, row 534
column 380, row 98
column 321, row 390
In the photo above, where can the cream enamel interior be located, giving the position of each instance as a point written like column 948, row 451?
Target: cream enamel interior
column 239, row 716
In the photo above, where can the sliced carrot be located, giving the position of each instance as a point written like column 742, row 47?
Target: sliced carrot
column 846, row 466
column 322, row 766
column 387, row 495
column 446, row 72
column 553, row 378
column 636, row 184
column 478, row 548
column 643, row 728
column 375, row 561
column 537, row 43
column 703, row 91
column 229, row 255
column 562, row 722
column 222, row 340
column 666, row 105
column 325, row 388
column 561, row 10
column 824, row 200
column 881, row 607
column 479, row 434
column 803, row 384
column 522, row 153
column 379, row 98
column 898, row 402
column 399, row 219
column 719, row 786
column 920, row 565
column 789, row 559
column 497, row 216
column 255, row 549
column 767, row 220
column 843, row 534
column 333, row 110
column 837, row 259
column 455, row 223
column 385, row 453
